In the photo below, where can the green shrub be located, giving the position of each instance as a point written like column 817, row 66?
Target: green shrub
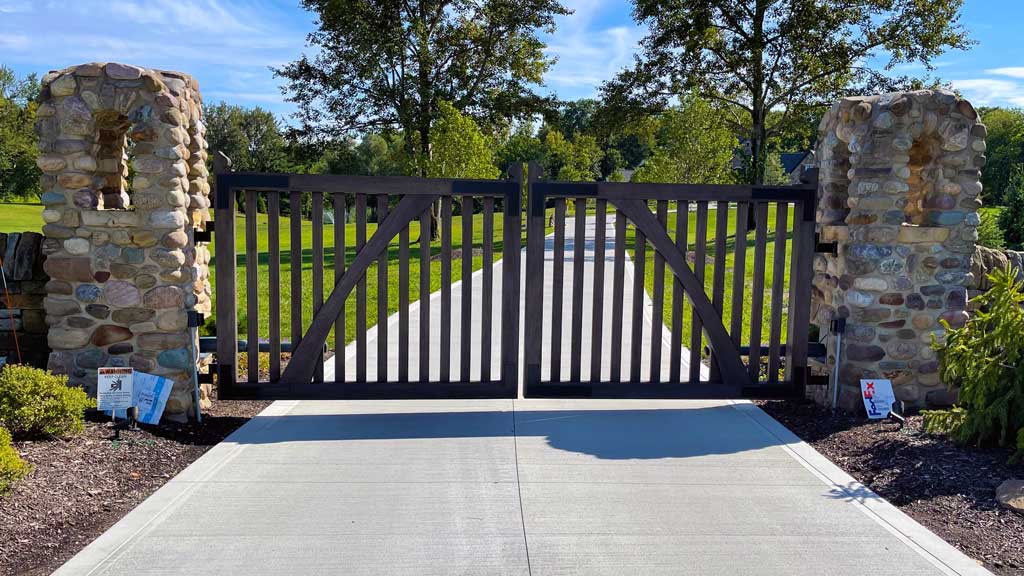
column 1011, row 218
column 12, row 467
column 990, row 234
column 34, row 402
column 985, row 358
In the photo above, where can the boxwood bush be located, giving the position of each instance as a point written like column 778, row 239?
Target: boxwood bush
column 35, row 403
column 12, row 467
column 985, row 358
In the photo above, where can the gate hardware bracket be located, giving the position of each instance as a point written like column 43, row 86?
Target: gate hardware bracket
column 204, row 235
column 195, row 319
column 838, row 326
column 207, row 377
column 825, row 247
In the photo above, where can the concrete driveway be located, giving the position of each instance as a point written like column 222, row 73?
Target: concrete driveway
column 535, row 487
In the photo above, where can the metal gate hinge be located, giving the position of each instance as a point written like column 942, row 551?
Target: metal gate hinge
column 204, row 235
column 825, row 247
column 195, row 319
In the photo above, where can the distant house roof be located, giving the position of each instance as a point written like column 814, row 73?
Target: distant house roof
column 792, row 160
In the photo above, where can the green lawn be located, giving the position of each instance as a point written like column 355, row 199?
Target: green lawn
column 21, row 217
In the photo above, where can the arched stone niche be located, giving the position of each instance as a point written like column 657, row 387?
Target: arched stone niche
column 899, row 193
column 123, row 154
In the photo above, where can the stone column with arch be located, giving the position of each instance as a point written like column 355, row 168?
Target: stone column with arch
column 899, row 191
column 123, row 155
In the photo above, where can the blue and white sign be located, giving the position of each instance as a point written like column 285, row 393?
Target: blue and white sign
column 149, row 394
column 878, row 397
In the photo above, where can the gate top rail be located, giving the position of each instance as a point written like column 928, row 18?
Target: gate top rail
column 803, row 192
column 371, row 185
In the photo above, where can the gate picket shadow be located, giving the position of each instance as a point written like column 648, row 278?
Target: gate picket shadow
column 395, row 203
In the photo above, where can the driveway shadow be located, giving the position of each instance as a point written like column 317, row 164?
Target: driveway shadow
column 604, row 434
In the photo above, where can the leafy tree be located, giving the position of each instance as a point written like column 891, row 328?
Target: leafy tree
column 386, row 65
column 694, row 146
column 522, row 145
column 1011, row 217
column 460, row 150
column 1005, row 150
column 788, row 55
column 19, row 176
column 251, row 137
column 577, row 117
column 571, row 160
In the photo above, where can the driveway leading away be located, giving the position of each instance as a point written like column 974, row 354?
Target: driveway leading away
column 515, row 487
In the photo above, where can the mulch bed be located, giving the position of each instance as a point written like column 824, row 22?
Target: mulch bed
column 948, row 488
column 82, row 486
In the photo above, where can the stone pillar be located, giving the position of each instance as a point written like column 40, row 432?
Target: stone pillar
column 124, row 183
column 899, row 192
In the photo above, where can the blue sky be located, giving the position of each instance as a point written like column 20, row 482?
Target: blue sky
column 229, row 44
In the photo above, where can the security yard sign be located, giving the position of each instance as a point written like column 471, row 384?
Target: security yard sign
column 114, row 390
column 878, row 397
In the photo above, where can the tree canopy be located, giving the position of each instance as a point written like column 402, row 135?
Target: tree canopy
column 787, row 55
column 459, row 150
column 386, row 65
column 693, row 146
column 19, row 176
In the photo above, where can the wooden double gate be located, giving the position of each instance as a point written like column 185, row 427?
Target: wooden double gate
column 463, row 317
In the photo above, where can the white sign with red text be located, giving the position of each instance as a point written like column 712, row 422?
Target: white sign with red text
column 878, row 397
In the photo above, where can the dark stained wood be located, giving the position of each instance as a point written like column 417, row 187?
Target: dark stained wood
column 739, row 262
column 511, row 274
column 557, row 289
column 778, row 284
column 533, row 322
column 466, row 321
column 339, row 270
column 360, row 290
column 732, row 369
column 757, row 291
column 274, row 280
column 403, row 305
column 487, row 289
column 227, row 331
column 446, row 288
column 676, row 348
column 252, row 314
column 718, row 276
column 318, row 269
column 302, row 365
column 382, row 298
column 639, row 274
column 424, row 360
column 295, row 258
column 699, row 264
column 801, row 276
column 597, row 334
column 658, row 300
column 578, row 246
column 618, row 292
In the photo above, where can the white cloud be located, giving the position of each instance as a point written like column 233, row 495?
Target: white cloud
column 991, row 91
column 1011, row 71
column 588, row 54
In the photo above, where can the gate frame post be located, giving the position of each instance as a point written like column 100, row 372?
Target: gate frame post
column 801, row 277
column 226, row 267
column 533, row 324
column 511, row 269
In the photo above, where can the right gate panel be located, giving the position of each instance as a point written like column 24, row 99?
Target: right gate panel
column 660, row 290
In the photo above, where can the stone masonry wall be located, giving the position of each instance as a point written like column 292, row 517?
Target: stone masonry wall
column 124, row 183
column 23, row 270
column 899, row 191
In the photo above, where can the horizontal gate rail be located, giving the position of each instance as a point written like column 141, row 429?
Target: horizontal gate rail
column 704, row 284
column 395, row 203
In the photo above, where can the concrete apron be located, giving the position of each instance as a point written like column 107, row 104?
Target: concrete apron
column 516, row 487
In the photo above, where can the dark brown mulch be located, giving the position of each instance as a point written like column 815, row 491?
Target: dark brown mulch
column 948, row 488
column 82, row 486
